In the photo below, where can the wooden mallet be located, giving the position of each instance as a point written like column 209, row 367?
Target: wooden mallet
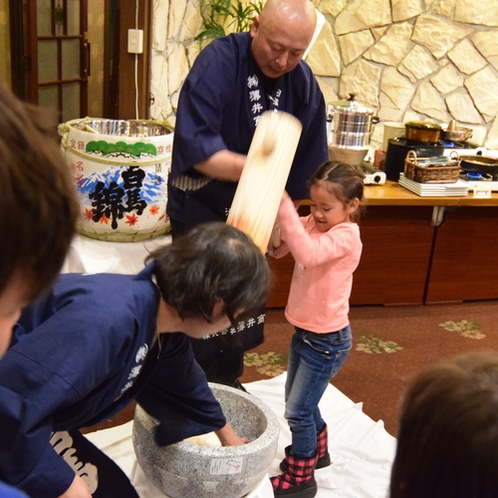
column 262, row 183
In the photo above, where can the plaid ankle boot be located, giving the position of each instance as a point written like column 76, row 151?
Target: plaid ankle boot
column 322, row 450
column 298, row 479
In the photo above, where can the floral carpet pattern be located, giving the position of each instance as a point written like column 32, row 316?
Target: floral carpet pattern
column 391, row 344
column 465, row 328
column 270, row 364
column 373, row 344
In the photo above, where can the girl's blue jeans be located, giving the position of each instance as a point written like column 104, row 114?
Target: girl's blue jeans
column 313, row 360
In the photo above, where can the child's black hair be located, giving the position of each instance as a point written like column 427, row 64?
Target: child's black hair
column 343, row 180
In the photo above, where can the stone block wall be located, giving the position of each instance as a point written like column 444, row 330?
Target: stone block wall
column 407, row 59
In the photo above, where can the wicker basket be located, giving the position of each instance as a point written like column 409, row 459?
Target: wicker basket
column 437, row 172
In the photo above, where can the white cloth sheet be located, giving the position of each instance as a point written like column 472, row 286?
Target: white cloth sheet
column 88, row 255
column 361, row 450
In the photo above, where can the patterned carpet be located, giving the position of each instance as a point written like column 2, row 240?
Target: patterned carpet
column 391, row 345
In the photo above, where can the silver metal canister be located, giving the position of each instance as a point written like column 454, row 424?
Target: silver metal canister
column 351, row 125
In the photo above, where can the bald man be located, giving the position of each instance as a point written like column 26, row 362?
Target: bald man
column 232, row 82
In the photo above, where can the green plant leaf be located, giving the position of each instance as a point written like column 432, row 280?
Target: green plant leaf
column 236, row 15
column 211, row 31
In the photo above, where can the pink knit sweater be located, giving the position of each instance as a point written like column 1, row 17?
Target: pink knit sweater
column 323, row 273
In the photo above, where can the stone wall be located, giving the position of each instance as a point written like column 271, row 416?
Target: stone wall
column 407, row 59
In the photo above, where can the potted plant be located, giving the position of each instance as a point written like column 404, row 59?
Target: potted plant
column 227, row 16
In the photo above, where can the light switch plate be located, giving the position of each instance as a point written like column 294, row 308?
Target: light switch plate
column 135, row 41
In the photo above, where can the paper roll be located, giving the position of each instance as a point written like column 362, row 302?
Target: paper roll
column 262, row 183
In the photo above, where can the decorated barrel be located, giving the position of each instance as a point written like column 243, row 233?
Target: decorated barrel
column 120, row 168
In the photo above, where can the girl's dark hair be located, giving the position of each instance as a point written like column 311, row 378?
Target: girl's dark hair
column 448, row 435
column 342, row 180
column 212, row 262
column 37, row 198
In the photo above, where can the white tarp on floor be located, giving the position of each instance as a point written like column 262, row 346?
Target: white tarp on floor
column 361, row 450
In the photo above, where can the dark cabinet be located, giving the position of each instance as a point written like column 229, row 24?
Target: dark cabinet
column 465, row 258
column 396, row 251
column 406, row 261
column 396, row 254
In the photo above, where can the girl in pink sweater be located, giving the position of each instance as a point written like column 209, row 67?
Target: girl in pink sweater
column 326, row 247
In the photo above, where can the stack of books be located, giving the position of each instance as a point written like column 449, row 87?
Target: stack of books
column 459, row 188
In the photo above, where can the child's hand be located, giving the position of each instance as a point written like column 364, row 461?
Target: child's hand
column 277, row 248
column 275, row 240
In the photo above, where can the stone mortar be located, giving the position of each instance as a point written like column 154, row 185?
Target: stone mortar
column 185, row 470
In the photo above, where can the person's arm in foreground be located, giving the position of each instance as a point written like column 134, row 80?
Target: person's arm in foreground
column 178, row 395
column 78, row 489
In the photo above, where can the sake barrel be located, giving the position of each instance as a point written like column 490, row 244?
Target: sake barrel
column 120, row 168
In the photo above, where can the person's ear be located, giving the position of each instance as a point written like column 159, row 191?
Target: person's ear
column 219, row 308
column 353, row 205
column 254, row 26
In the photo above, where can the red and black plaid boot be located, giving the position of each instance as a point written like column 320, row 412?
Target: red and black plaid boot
column 298, row 479
column 322, row 450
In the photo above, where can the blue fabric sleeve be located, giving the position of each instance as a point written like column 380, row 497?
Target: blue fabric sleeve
column 178, row 394
column 10, row 492
column 74, row 351
column 312, row 150
column 200, row 108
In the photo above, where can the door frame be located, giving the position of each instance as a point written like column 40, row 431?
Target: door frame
column 24, row 42
column 19, row 61
column 124, row 84
column 119, row 76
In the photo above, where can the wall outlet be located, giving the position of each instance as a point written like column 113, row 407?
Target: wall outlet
column 135, row 41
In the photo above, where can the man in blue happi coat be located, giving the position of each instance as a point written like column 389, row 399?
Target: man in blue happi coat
column 232, row 82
